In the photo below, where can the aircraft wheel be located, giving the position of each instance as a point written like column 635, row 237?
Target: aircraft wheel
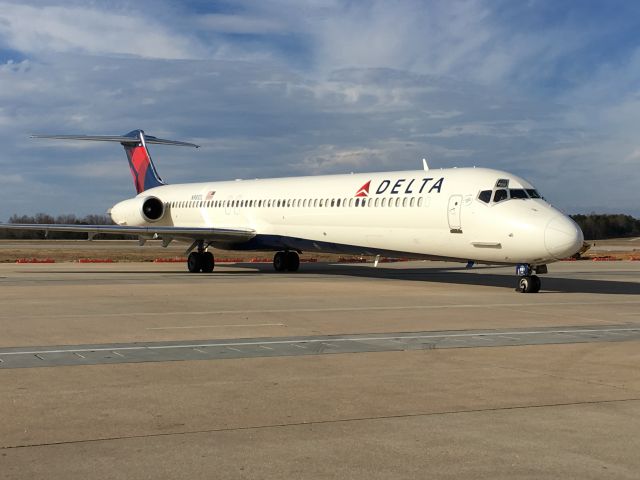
column 536, row 284
column 292, row 261
column 280, row 262
column 528, row 284
column 208, row 262
column 194, row 262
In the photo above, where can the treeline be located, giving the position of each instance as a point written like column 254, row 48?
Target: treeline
column 60, row 219
column 602, row 226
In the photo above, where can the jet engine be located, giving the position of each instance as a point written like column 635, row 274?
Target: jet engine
column 138, row 211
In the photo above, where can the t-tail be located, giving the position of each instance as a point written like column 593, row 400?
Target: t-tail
column 145, row 175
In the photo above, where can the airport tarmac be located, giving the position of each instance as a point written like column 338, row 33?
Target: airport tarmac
column 408, row 370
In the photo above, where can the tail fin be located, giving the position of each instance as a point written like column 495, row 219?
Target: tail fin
column 145, row 175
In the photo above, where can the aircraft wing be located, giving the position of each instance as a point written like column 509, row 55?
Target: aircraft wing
column 193, row 233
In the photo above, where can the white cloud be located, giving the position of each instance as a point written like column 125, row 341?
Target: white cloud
column 239, row 24
column 328, row 87
column 90, row 30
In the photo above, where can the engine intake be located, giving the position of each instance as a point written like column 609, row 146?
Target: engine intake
column 138, row 211
column 152, row 209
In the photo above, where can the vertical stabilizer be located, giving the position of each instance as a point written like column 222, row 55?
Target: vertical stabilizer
column 145, row 175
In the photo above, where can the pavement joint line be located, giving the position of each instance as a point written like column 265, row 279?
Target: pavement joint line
column 313, row 340
column 349, row 309
column 325, row 422
column 219, row 326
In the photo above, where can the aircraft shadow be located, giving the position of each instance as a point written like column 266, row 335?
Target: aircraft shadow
column 462, row 276
column 450, row 275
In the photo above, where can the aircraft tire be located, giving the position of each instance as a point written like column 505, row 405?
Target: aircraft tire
column 536, row 284
column 208, row 262
column 292, row 261
column 194, row 262
column 527, row 284
column 280, row 261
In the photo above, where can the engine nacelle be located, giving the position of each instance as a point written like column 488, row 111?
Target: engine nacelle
column 138, row 211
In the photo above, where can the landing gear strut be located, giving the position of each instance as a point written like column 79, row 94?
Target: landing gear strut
column 286, row 261
column 200, row 261
column 529, row 283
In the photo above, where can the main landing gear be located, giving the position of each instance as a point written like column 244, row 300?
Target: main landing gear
column 529, row 283
column 286, row 261
column 201, row 260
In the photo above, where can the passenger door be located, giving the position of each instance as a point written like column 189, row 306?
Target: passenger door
column 454, row 210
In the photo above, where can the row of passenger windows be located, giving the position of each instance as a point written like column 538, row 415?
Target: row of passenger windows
column 505, row 194
column 304, row 203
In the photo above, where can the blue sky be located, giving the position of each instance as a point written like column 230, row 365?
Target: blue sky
column 547, row 90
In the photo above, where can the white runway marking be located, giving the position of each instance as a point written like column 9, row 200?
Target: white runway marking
column 230, row 345
column 220, row 326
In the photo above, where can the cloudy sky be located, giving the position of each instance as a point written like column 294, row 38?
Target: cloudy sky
column 547, row 90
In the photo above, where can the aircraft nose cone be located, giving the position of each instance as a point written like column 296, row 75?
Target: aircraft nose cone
column 562, row 237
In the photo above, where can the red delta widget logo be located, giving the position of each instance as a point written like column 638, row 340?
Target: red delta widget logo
column 402, row 186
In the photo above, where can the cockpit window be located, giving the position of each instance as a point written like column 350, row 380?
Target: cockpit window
column 500, row 195
column 518, row 193
column 533, row 193
column 485, row 196
column 502, row 183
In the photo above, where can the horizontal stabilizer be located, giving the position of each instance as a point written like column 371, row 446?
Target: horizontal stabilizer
column 124, row 139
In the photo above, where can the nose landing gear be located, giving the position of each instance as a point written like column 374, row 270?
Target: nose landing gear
column 529, row 283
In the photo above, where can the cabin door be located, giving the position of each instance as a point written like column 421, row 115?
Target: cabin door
column 455, row 205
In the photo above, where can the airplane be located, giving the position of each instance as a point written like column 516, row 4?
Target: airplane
column 472, row 215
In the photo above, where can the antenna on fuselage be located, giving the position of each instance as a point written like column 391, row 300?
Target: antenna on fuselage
column 425, row 165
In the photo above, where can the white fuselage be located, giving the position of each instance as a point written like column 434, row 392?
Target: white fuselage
column 421, row 214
